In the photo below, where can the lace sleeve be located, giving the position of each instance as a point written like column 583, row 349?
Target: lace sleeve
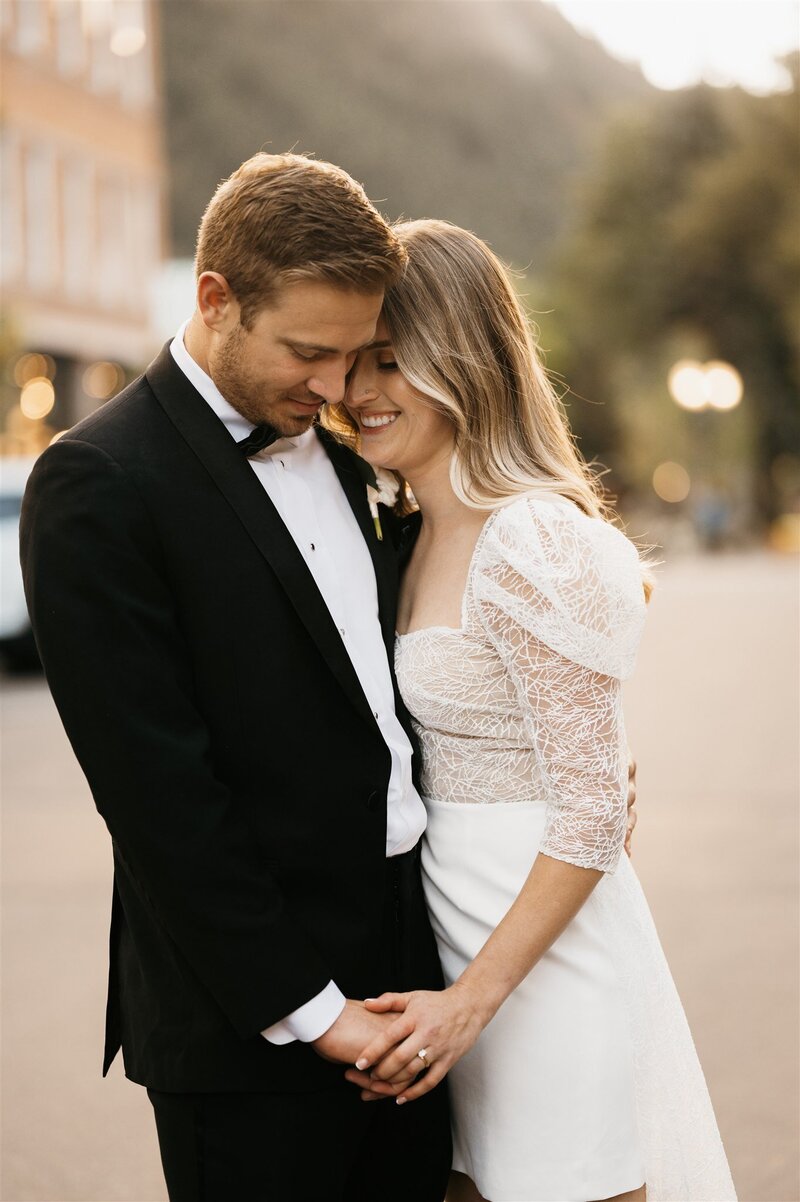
column 559, row 596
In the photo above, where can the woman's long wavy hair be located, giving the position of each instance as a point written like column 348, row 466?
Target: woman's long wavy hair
column 461, row 337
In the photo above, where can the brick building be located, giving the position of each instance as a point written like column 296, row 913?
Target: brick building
column 82, row 236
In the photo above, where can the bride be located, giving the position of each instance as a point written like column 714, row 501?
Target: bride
column 572, row 1070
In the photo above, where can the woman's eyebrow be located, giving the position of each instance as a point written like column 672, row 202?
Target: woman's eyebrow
column 376, row 346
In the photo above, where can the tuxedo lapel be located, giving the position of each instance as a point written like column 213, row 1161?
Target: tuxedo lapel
column 235, row 479
column 384, row 558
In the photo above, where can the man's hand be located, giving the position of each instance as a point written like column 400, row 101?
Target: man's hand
column 353, row 1030
column 632, row 815
column 445, row 1024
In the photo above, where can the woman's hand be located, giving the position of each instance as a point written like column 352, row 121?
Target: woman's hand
column 444, row 1025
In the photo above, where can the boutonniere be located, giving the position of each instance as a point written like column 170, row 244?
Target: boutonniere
column 383, row 492
column 382, row 488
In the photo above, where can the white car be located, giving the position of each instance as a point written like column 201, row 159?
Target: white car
column 17, row 645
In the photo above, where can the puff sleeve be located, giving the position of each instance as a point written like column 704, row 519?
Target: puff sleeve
column 559, row 596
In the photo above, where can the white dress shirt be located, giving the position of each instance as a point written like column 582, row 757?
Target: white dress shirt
column 302, row 484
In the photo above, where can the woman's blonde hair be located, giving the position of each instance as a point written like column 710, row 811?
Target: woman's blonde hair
column 461, row 337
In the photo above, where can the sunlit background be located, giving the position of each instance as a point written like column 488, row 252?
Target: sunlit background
column 635, row 161
column 638, row 164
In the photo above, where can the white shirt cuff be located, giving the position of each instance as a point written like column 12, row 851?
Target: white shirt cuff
column 310, row 1020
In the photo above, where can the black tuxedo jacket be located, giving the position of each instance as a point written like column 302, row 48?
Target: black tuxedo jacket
column 222, row 728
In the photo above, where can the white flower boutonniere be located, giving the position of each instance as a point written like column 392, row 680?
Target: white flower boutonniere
column 383, row 492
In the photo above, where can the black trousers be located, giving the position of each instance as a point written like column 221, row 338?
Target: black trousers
column 328, row 1145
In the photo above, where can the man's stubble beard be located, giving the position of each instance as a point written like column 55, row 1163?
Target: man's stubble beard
column 246, row 395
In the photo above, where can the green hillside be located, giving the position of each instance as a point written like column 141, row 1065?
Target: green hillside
column 480, row 112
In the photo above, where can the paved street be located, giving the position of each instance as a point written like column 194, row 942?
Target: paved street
column 713, row 720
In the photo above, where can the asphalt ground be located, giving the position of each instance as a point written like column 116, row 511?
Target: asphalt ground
column 712, row 716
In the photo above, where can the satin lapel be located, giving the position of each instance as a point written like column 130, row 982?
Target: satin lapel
column 382, row 551
column 216, row 450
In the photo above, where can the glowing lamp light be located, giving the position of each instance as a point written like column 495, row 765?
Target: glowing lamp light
column 671, row 482
column 29, row 366
column 38, row 398
column 687, row 384
column 102, row 380
column 724, row 384
column 696, row 386
column 127, row 40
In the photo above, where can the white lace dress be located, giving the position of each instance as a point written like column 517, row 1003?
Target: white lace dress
column 586, row 1083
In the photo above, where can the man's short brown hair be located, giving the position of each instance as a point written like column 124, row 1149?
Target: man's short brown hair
column 284, row 217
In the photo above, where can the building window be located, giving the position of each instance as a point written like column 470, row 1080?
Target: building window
column 133, row 30
column 6, row 17
column 99, row 23
column 30, row 37
column 70, row 40
column 11, row 204
column 78, row 217
column 110, row 278
column 41, row 205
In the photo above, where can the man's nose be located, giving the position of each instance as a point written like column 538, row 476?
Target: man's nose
column 329, row 382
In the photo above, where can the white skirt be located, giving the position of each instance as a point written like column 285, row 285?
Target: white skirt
column 586, row 1082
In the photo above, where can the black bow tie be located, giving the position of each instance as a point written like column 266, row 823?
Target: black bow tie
column 258, row 438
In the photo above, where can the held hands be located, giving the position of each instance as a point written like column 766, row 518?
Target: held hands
column 342, row 1042
column 445, row 1025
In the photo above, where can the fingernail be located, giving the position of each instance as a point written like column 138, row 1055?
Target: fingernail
column 401, row 1101
column 369, row 999
column 361, row 1064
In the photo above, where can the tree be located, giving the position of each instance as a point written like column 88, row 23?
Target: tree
column 689, row 243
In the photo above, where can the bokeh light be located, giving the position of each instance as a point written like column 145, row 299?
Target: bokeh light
column 724, row 384
column 29, row 366
column 671, row 482
column 695, row 386
column 38, row 398
column 128, row 40
column 687, row 384
column 102, row 380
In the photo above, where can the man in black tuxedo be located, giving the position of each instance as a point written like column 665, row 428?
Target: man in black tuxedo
column 214, row 606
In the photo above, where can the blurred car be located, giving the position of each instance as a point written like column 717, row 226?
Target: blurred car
column 17, row 646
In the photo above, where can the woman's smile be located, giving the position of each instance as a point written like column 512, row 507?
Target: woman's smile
column 373, row 423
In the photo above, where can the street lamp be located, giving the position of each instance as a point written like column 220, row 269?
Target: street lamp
column 699, row 388
column 696, row 386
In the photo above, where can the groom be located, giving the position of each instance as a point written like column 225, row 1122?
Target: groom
column 215, row 612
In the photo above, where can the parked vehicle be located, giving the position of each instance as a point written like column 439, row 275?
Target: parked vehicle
column 17, row 646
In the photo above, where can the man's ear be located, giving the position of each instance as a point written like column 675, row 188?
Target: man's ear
column 216, row 303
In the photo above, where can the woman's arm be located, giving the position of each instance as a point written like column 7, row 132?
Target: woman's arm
column 573, row 718
column 448, row 1023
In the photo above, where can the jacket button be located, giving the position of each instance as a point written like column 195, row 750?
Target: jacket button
column 373, row 801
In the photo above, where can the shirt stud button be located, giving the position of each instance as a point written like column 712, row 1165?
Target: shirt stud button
column 313, row 548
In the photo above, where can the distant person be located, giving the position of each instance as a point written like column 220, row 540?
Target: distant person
column 572, row 1070
column 215, row 611
column 712, row 515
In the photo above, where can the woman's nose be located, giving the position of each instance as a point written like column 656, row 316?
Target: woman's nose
column 361, row 388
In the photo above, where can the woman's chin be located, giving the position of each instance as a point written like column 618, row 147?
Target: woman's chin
column 373, row 455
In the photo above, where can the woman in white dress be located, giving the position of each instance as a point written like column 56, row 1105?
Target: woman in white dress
column 572, row 1070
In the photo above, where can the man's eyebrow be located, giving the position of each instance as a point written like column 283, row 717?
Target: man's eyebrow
column 310, row 346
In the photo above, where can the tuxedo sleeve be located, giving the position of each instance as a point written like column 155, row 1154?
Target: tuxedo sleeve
column 120, row 672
